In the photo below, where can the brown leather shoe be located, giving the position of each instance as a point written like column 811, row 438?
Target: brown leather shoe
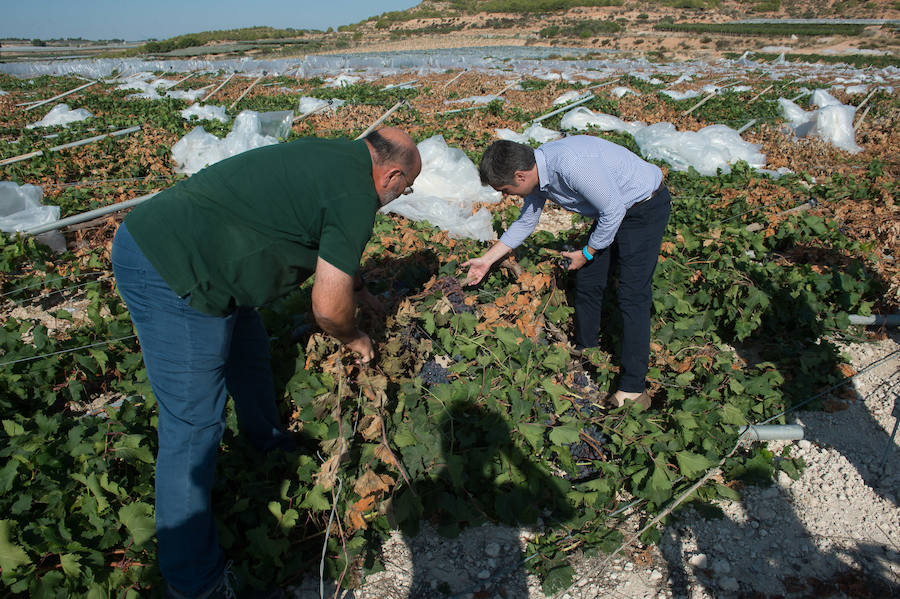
column 610, row 401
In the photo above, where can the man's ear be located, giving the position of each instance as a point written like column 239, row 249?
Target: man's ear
column 520, row 177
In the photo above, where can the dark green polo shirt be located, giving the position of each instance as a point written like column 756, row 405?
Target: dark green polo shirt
column 248, row 229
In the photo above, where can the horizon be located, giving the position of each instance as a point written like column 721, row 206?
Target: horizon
column 100, row 20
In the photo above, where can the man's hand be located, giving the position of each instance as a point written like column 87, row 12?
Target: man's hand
column 363, row 346
column 577, row 259
column 478, row 267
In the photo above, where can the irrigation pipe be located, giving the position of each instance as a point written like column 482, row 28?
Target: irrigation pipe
column 81, row 142
column 246, row 91
column 878, row 320
column 221, row 85
column 44, row 283
column 66, row 351
column 577, row 102
column 508, row 87
column 86, row 216
column 382, row 118
column 71, row 91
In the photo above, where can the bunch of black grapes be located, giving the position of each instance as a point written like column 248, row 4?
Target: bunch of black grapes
column 433, row 374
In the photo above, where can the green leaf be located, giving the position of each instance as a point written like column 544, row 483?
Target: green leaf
column 8, row 476
column 534, row 433
column 692, row 464
column 71, row 564
column 559, row 577
column 727, row 492
column 11, row 556
column 316, row 500
column 138, row 519
column 732, row 415
column 13, row 429
column 565, row 434
column 658, row 487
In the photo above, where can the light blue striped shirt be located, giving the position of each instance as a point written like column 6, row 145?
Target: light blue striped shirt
column 589, row 176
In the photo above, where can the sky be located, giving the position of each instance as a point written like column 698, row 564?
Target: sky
column 161, row 19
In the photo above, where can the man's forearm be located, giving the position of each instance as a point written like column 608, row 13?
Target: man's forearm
column 497, row 251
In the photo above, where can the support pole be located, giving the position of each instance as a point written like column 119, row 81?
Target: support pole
column 749, row 124
column 86, row 216
column 382, row 118
column 182, row 79
column 861, row 117
column 577, row 102
column 699, row 104
column 756, row 97
column 458, row 75
column 71, row 91
column 73, row 144
column 221, row 85
column 246, row 91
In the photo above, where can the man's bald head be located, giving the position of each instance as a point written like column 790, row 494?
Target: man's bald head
column 395, row 161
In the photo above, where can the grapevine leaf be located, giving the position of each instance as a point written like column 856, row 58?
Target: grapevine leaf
column 692, row 464
column 138, row 519
column 11, row 556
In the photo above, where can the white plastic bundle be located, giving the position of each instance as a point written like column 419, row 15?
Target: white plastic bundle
column 582, row 118
column 707, row 150
column 21, row 209
column 534, row 132
column 205, row 112
column 199, row 149
column 445, row 191
column 832, row 122
column 61, row 115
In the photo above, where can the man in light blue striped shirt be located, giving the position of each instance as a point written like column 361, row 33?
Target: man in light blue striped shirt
column 630, row 205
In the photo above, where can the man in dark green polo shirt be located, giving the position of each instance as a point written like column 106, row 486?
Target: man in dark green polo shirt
column 195, row 261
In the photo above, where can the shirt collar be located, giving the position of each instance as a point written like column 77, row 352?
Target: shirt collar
column 541, row 163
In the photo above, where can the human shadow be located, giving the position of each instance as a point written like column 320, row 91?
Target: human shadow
column 762, row 547
column 483, row 478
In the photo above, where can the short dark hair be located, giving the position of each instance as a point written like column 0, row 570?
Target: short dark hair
column 501, row 161
column 386, row 151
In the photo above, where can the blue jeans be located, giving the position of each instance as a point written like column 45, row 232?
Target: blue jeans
column 193, row 361
column 636, row 247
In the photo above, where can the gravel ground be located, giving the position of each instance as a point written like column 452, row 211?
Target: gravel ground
column 834, row 532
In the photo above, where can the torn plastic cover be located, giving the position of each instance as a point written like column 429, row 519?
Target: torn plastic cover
column 445, row 191
column 61, row 115
column 199, row 149
column 21, row 209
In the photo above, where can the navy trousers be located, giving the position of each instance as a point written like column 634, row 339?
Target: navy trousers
column 636, row 247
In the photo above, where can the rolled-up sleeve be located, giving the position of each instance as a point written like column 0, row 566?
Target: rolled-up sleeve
column 527, row 221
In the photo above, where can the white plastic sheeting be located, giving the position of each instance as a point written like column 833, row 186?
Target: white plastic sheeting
column 191, row 95
column 712, row 148
column 567, row 97
column 206, row 112
column 707, row 150
column 534, row 132
column 342, row 80
column 61, row 114
column 199, row 149
column 21, row 209
column 582, row 118
column 620, row 91
column 445, row 191
column 832, row 121
column 677, row 95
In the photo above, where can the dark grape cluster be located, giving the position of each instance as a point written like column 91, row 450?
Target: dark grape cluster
column 433, row 373
column 584, row 454
column 454, row 293
column 581, row 379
